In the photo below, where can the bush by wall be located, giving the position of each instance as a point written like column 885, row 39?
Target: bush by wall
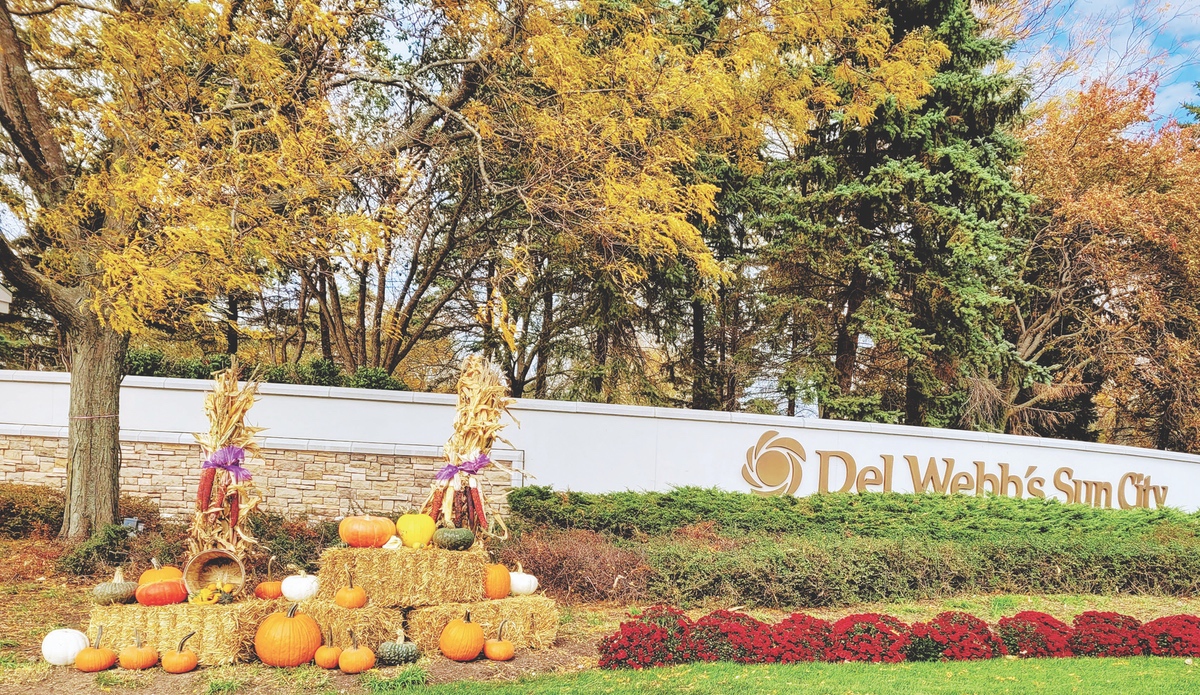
column 874, row 515
column 36, row 511
column 313, row 372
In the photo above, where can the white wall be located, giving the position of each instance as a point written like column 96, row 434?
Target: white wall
column 588, row 447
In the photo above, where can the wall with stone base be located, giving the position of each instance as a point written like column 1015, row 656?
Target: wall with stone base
column 316, row 483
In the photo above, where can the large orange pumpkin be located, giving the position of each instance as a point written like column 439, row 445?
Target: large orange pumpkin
column 461, row 640
column 497, row 583
column 158, row 573
column 366, row 531
column 269, row 589
column 287, row 639
column 162, row 593
column 95, row 658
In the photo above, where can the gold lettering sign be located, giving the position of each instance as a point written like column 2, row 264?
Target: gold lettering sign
column 775, row 466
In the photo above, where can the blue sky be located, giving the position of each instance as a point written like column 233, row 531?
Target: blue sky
column 1117, row 37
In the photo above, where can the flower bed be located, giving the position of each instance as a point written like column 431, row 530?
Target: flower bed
column 664, row 636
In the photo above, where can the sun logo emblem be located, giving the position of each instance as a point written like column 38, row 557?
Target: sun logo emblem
column 773, row 465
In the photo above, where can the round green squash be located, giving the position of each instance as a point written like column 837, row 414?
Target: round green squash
column 453, row 538
column 116, row 591
column 398, row 652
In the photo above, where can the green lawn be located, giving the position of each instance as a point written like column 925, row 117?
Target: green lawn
column 1153, row 676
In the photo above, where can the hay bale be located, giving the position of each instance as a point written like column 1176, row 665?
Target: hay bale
column 534, row 621
column 224, row 634
column 404, row 577
column 373, row 624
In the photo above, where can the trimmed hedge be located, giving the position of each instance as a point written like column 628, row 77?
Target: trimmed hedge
column 876, row 514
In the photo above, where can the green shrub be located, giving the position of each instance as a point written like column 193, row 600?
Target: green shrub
column 320, row 372
column 881, row 515
column 108, row 546
column 140, row 362
column 30, row 510
column 374, row 378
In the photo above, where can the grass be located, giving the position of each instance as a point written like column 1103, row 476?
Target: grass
column 128, row 680
column 1148, row 675
column 404, row 682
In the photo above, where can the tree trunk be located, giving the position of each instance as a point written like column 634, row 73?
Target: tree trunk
column 93, row 439
column 846, row 359
column 702, row 396
column 231, row 325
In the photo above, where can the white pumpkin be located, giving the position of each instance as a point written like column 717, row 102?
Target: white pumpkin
column 394, row 543
column 300, row 587
column 522, row 584
column 60, row 646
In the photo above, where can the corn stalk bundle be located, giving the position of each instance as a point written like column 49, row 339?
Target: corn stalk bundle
column 457, row 499
column 225, row 496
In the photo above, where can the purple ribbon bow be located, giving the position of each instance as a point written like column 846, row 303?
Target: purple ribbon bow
column 229, row 459
column 470, row 467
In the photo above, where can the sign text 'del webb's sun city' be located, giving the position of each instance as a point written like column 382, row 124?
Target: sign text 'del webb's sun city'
column 778, row 465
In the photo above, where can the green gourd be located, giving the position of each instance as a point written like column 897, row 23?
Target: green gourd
column 116, row 591
column 453, row 538
column 398, row 652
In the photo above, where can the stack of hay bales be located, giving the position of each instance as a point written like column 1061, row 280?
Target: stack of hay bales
column 224, row 634
column 431, row 587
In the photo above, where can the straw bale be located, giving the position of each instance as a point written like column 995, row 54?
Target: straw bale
column 224, row 634
column 373, row 624
column 406, row 577
column 534, row 621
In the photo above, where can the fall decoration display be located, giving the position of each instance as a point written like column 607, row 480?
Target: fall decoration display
column 137, row 657
column 522, row 584
column 213, row 595
column 179, row 660
column 300, row 587
column 269, row 589
column 357, row 658
column 158, row 573
column 415, row 530
column 224, row 633
column 456, row 499
column 497, row 583
column 461, row 640
column 95, row 658
column 60, row 647
column 350, row 596
column 398, row 652
column 533, row 621
column 287, row 639
column 404, row 578
column 366, row 531
column 454, row 538
column 328, row 654
column 116, row 591
column 225, row 495
column 162, row 593
column 499, row 649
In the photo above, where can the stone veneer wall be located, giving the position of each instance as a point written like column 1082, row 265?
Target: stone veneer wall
column 317, row 483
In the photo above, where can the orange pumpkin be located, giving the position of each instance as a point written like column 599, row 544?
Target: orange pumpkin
column 158, row 573
column 461, row 640
column 329, row 653
column 497, row 582
column 162, row 593
column 269, row 589
column 366, row 531
column 287, row 639
column 95, row 658
column 499, row 649
column 137, row 657
column 356, row 659
column 350, row 596
column 180, row 661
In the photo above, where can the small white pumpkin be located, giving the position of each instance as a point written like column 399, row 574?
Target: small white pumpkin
column 300, row 587
column 522, row 584
column 60, row 646
column 394, row 543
